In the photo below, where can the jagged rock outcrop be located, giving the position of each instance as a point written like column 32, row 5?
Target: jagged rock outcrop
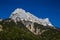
column 20, row 14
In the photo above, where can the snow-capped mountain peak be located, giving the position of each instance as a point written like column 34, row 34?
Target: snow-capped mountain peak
column 23, row 15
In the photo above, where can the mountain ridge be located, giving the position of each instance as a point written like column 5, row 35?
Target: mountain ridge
column 23, row 15
column 16, row 28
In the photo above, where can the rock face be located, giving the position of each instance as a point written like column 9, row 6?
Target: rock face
column 25, row 30
column 20, row 14
column 28, row 20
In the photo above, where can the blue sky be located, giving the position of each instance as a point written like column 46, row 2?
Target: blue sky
column 41, row 8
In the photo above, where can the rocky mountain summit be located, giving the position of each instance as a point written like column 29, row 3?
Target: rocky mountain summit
column 22, row 25
column 29, row 20
column 20, row 14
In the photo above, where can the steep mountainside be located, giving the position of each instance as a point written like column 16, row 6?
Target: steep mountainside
column 30, row 20
column 22, row 25
column 12, row 31
column 18, row 31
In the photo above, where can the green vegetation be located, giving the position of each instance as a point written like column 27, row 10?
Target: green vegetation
column 13, row 31
column 18, row 31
